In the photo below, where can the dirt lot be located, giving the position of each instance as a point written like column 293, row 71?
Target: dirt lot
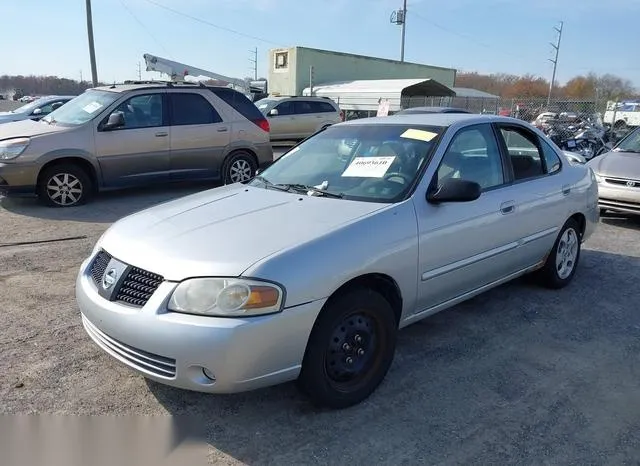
column 520, row 375
column 8, row 105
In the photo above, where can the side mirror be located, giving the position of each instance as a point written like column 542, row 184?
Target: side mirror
column 116, row 120
column 273, row 112
column 455, row 190
column 36, row 112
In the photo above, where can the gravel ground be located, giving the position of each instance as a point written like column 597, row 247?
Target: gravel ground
column 8, row 105
column 520, row 375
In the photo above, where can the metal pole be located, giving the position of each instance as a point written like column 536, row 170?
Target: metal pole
column 555, row 61
column 92, row 52
column 255, row 69
column 404, row 26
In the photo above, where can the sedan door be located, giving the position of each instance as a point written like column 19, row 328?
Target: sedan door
column 466, row 246
column 540, row 197
column 199, row 137
column 138, row 152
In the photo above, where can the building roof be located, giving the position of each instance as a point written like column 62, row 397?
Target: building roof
column 395, row 62
column 366, row 94
column 474, row 93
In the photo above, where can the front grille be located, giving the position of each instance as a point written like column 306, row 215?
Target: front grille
column 136, row 287
column 623, row 182
column 99, row 266
column 141, row 360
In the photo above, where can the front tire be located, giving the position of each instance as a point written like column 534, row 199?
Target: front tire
column 350, row 349
column 64, row 185
column 239, row 167
column 562, row 262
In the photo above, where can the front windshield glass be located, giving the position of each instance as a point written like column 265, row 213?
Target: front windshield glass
column 30, row 107
column 81, row 109
column 631, row 143
column 375, row 163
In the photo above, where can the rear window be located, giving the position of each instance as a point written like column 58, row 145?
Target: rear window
column 239, row 102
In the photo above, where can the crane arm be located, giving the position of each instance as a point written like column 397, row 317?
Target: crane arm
column 178, row 71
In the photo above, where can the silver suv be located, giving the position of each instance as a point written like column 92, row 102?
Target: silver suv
column 295, row 118
column 131, row 135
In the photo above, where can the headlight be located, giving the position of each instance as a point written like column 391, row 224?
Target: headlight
column 12, row 148
column 226, row 297
column 598, row 178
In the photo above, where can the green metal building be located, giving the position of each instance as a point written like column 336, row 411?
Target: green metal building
column 293, row 69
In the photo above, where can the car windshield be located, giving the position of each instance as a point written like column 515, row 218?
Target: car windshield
column 81, row 109
column 374, row 163
column 30, row 107
column 265, row 104
column 631, row 143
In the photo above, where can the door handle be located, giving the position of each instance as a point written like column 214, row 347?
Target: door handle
column 507, row 207
column 222, row 130
column 566, row 189
column 162, row 134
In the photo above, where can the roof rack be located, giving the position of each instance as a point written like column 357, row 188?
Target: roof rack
column 160, row 82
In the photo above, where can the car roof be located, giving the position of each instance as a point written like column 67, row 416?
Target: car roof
column 433, row 119
column 435, row 109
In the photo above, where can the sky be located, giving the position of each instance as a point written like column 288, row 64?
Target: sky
column 488, row 36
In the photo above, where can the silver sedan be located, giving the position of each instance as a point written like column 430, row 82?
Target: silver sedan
column 618, row 175
column 309, row 270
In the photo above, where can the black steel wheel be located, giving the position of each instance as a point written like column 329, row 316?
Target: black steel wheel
column 350, row 349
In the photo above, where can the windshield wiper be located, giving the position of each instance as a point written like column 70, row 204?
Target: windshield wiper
column 271, row 185
column 313, row 189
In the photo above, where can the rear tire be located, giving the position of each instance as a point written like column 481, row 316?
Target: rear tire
column 350, row 349
column 562, row 262
column 240, row 166
column 64, row 185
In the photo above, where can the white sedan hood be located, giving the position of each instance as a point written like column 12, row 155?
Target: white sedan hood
column 222, row 232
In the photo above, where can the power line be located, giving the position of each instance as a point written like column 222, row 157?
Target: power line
column 217, row 26
column 459, row 34
column 137, row 20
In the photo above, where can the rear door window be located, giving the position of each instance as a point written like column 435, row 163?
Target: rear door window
column 524, row 152
column 192, row 109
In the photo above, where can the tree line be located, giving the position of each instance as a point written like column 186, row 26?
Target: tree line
column 42, row 85
column 585, row 87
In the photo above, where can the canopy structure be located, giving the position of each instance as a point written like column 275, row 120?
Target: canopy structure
column 366, row 94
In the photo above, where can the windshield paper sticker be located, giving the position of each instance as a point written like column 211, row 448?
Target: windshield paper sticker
column 418, row 134
column 92, row 107
column 369, row 167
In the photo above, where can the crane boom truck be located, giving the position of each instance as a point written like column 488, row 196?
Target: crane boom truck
column 178, row 71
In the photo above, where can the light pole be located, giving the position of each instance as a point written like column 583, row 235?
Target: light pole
column 92, row 52
column 400, row 17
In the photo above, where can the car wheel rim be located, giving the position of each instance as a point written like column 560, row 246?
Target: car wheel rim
column 64, row 189
column 567, row 253
column 353, row 351
column 240, row 170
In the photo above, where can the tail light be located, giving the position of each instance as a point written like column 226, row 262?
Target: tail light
column 263, row 123
column 341, row 115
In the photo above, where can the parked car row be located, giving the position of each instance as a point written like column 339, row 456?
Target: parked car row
column 35, row 109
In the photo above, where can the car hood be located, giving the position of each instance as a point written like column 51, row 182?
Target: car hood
column 617, row 165
column 8, row 116
column 27, row 128
column 222, row 232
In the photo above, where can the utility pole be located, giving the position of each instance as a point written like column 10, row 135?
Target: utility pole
column 556, row 46
column 399, row 17
column 81, row 80
column 254, row 60
column 92, row 52
column 139, row 72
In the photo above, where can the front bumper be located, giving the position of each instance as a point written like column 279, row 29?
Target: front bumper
column 619, row 198
column 173, row 349
column 18, row 179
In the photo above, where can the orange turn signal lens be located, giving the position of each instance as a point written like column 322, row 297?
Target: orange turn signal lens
column 262, row 296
